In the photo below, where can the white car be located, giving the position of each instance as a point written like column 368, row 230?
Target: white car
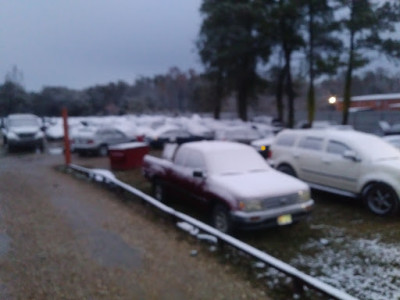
column 23, row 130
column 345, row 162
column 96, row 140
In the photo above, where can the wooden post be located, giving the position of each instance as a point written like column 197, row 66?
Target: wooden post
column 67, row 152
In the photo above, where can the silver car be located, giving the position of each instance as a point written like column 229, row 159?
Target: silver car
column 94, row 140
column 22, row 131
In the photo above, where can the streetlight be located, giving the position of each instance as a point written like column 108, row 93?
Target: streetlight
column 332, row 100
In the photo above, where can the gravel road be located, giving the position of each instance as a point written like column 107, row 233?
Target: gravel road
column 65, row 238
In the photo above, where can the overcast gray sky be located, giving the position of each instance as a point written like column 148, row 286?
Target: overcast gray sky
column 80, row 43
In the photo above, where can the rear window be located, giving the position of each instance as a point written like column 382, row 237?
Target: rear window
column 311, row 143
column 286, row 140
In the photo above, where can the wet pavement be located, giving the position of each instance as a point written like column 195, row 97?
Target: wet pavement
column 67, row 238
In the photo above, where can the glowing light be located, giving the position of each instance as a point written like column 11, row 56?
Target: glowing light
column 332, row 100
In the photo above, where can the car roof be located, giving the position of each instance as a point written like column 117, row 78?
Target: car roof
column 205, row 146
column 351, row 136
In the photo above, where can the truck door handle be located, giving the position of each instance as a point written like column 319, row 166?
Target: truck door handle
column 326, row 161
column 296, row 155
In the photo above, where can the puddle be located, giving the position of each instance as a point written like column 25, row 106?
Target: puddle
column 55, row 151
column 5, row 241
column 109, row 250
column 104, row 246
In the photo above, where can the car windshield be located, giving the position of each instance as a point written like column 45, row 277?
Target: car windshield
column 23, row 122
column 235, row 161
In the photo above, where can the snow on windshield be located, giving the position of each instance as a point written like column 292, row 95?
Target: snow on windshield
column 23, row 122
column 232, row 161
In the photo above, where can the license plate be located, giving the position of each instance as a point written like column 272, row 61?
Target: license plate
column 285, row 219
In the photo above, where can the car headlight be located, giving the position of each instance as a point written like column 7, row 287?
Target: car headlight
column 251, row 205
column 12, row 136
column 304, row 195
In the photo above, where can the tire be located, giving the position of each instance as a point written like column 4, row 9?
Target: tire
column 41, row 147
column 221, row 219
column 381, row 199
column 287, row 170
column 158, row 191
column 103, row 150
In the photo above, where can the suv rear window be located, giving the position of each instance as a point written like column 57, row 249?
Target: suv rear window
column 286, row 140
column 311, row 143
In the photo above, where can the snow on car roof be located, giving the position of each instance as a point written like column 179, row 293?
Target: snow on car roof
column 206, row 146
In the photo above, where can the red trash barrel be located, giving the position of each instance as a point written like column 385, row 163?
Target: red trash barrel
column 127, row 156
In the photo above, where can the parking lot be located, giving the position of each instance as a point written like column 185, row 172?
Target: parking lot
column 342, row 243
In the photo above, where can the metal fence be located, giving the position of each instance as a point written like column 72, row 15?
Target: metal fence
column 300, row 279
column 367, row 121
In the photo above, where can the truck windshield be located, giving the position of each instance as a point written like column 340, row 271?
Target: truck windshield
column 235, row 161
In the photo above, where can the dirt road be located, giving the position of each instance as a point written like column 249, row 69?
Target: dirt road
column 64, row 238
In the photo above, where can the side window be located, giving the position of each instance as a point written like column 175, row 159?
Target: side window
column 336, row 148
column 311, row 143
column 181, row 156
column 195, row 161
column 286, row 140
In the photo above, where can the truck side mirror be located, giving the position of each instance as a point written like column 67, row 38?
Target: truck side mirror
column 198, row 174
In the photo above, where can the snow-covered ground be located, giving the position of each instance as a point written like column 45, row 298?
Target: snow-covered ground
column 364, row 268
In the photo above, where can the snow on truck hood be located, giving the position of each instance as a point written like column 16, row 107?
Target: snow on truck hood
column 258, row 184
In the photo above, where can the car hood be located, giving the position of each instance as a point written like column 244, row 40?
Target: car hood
column 390, row 163
column 24, row 129
column 258, row 184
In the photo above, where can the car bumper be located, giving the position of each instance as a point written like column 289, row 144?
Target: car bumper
column 273, row 217
column 31, row 142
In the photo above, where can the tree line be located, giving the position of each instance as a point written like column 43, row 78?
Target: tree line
column 237, row 38
column 284, row 53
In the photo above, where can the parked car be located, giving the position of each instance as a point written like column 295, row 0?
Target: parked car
column 393, row 139
column 231, row 182
column 96, row 140
column 262, row 145
column 22, row 131
column 345, row 162
column 169, row 134
column 238, row 133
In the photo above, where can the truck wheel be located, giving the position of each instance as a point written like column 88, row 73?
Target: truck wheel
column 381, row 199
column 221, row 219
column 158, row 191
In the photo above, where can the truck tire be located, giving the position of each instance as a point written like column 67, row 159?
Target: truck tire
column 221, row 219
column 158, row 191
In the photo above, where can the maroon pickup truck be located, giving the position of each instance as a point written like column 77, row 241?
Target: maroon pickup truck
column 231, row 181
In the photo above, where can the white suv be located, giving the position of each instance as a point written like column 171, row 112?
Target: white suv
column 345, row 162
column 23, row 130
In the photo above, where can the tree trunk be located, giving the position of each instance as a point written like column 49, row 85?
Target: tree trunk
column 289, row 88
column 242, row 103
column 349, row 74
column 279, row 94
column 311, row 92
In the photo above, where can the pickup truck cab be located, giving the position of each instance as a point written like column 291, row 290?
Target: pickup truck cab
column 231, row 182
